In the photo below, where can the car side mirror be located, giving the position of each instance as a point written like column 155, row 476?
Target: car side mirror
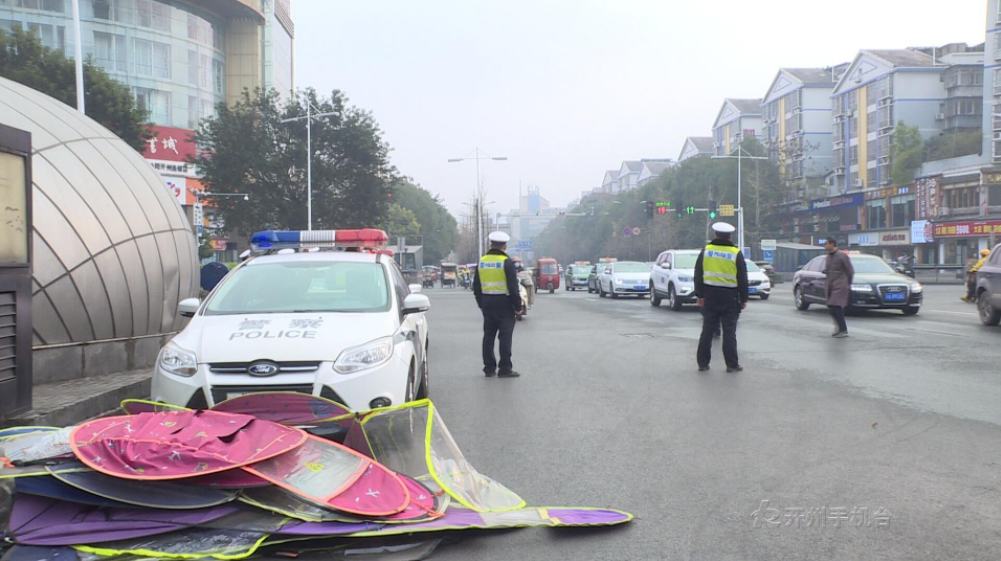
column 415, row 288
column 416, row 303
column 188, row 307
column 665, row 265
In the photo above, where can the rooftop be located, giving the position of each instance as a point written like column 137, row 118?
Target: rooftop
column 812, row 76
column 904, row 57
column 752, row 106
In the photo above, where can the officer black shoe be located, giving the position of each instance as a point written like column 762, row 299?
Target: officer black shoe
column 737, row 368
column 703, row 368
column 511, row 374
column 489, row 373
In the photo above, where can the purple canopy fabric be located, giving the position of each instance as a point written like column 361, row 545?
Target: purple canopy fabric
column 43, row 521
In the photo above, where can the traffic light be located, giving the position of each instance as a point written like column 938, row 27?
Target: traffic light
column 649, row 210
column 679, row 206
column 712, row 210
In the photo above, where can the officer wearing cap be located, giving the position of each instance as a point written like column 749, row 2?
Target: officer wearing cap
column 721, row 289
column 496, row 289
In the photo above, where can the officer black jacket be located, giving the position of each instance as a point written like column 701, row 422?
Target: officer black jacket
column 717, row 297
column 512, row 285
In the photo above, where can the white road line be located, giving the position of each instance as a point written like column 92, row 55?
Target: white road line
column 923, row 310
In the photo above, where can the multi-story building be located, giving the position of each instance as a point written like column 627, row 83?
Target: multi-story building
column 629, row 173
column 796, row 112
column 737, row 119
column 883, row 88
column 179, row 58
column 992, row 85
column 651, row 170
column 696, row 146
column 610, row 182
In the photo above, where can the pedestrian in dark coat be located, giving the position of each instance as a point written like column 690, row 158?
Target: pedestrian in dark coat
column 839, row 273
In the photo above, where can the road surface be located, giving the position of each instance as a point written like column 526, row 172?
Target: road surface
column 895, row 429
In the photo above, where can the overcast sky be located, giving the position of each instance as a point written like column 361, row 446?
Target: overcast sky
column 568, row 88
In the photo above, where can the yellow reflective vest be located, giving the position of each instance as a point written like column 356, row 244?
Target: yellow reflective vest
column 719, row 266
column 492, row 277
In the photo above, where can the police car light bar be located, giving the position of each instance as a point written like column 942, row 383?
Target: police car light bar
column 366, row 238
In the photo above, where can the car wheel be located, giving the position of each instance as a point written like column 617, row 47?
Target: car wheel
column 910, row 311
column 765, row 296
column 422, row 392
column 551, row 289
column 801, row 304
column 654, row 298
column 988, row 314
column 673, row 300
column 601, row 290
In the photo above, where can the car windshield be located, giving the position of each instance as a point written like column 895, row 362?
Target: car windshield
column 685, row 260
column 752, row 267
column 631, row 268
column 312, row 286
column 869, row 264
column 549, row 269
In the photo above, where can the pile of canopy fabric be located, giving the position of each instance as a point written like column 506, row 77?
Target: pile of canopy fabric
column 277, row 474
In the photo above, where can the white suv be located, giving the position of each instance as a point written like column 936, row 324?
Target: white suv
column 672, row 278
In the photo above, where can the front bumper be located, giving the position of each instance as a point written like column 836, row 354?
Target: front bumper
column 876, row 301
column 759, row 290
column 579, row 282
column 355, row 391
column 630, row 289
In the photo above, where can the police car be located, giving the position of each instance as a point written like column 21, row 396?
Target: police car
column 322, row 312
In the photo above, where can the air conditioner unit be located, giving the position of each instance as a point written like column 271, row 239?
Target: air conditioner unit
column 940, row 116
column 858, row 183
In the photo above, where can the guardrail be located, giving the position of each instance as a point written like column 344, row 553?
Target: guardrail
column 940, row 274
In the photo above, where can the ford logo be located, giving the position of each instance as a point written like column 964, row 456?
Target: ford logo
column 263, row 369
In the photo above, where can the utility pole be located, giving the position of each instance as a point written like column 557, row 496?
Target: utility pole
column 78, row 50
column 478, row 155
column 740, row 209
column 309, row 156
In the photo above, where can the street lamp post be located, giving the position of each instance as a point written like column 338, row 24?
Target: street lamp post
column 740, row 209
column 478, row 155
column 78, row 53
column 309, row 156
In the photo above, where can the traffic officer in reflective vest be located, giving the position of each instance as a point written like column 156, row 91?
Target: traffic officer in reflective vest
column 721, row 289
column 496, row 289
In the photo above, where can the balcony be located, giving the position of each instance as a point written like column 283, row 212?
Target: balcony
column 967, row 211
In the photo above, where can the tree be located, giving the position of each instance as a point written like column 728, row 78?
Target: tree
column 25, row 60
column 908, row 153
column 402, row 222
column 953, row 143
column 246, row 148
column 438, row 228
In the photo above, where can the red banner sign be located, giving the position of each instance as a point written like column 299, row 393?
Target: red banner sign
column 170, row 143
column 961, row 229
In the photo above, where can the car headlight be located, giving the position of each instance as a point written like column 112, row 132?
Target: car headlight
column 618, row 281
column 916, row 288
column 766, row 284
column 685, row 278
column 364, row 356
column 178, row 361
column 862, row 288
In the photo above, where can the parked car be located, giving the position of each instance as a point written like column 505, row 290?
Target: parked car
column 989, row 289
column 758, row 283
column 672, row 278
column 624, row 277
column 769, row 270
column 875, row 286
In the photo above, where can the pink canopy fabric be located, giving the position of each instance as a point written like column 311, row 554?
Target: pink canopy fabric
column 287, row 408
column 321, row 471
column 179, row 444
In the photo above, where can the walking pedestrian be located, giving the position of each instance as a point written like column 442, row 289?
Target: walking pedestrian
column 721, row 292
column 840, row 273
column 495, row 287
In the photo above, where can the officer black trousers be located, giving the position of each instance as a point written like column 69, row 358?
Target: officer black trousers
column 710, row 320
column 498, row 319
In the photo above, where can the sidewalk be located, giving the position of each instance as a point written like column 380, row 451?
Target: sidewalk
column 69, row 402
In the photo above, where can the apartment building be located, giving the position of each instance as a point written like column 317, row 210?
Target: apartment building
column 650, row 170
column 796, row 114
column 610, row 182
column 696, row 146
column 629, row 173
column 737, row 119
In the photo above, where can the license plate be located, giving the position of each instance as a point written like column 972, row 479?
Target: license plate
column 895, row 297
column 639, row 287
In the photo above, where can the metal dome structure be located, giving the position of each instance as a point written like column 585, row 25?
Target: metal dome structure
column 113, row 252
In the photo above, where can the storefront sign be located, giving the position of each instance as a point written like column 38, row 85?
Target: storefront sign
column 767, row 245
column 837, row 202
column 850, row 227
column 179, row 188
column 922, row 231
column 962, row 229
column 865, row 240
column 170, row 144
column 887, row 193
column 219, row 244
column 992, row 178
column 926, row 197
column 896, row 237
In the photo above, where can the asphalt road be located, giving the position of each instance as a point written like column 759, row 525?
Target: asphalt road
column 898, row 424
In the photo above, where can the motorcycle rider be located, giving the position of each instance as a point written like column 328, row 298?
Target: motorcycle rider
column 971, row 279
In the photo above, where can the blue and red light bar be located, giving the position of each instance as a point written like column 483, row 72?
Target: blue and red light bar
column 365, row 238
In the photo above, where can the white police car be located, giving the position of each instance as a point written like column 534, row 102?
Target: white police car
column 322, row 312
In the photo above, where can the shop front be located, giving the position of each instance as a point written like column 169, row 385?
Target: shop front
column 833, row 217
column 891, row 245
column 961, row 241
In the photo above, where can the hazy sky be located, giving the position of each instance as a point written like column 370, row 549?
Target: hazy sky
column 569, row 88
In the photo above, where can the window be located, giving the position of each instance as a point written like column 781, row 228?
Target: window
column 870, row 122
column 399, row 284
column 885, row 116
column 204, row 68
column 52, row 36
column 46, row 5
column 161, row 17
column 144, row 13
column 155, row 102
column 853, row 127
column 871, row 150
column 964, row 107
column 994, row 195
column 194, row 111
column 161, row 60
column 109, row 51
column 853, row 155
column 877, row 214
column 103, row 9
column 901, row 211
column 870, row 175
column 853, row 100
column 218, row 77
column 193, row 67
column 871, row 92
column 885, row 85
column 997, row 81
